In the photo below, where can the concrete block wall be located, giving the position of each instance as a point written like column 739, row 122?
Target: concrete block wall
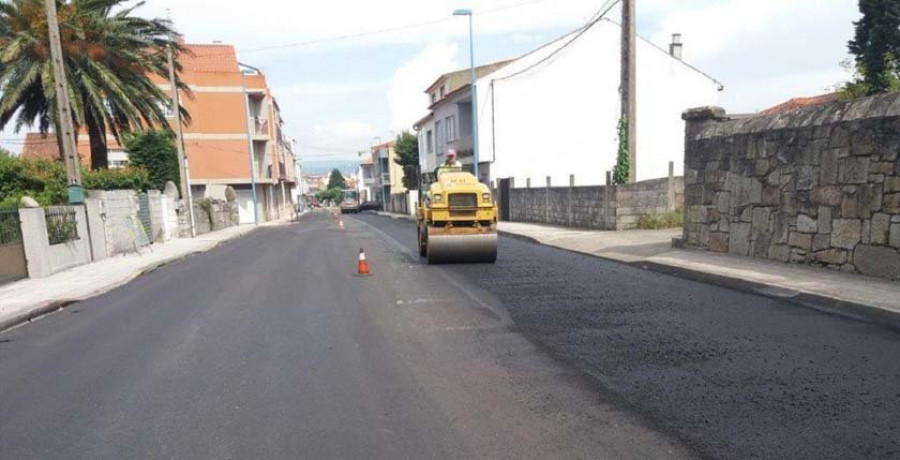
column 44, row 259
column 156, row 200
column 655, row 196
column 119, row 207
column 604, row 207
column 817, row 186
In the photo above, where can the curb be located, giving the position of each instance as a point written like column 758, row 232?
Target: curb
column 55, row 305
column 823, row 303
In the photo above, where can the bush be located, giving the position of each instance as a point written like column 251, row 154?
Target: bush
column 130, row 178
column 45, row 180
column 672, row 219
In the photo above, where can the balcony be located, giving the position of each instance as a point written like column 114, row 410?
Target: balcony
column 260, row 126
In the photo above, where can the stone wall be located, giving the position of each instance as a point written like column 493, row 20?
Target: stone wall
column 815, row 186
column 604, row 207
column 211, row 215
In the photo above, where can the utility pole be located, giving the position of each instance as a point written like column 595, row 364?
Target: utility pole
column 179, row 136
column 628, row 84
column 64, row 109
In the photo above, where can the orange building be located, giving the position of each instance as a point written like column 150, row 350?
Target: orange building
column 216, row 141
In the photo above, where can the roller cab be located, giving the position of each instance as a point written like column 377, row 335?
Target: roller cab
column 456, row 220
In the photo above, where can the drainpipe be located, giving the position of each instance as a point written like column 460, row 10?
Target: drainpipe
column 250, row 141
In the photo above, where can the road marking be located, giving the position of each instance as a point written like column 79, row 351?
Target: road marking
column 420, row 301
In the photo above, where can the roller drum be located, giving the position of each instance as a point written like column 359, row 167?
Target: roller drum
column 471, row 248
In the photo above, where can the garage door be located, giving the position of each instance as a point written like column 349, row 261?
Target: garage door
column 244, row 200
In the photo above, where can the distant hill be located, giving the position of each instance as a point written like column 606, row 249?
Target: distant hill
column 318, row 167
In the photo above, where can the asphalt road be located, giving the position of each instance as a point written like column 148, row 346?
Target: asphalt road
column 729, row 374
column 271, row 347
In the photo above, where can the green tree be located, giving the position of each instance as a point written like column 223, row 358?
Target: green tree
column 876, row 49
column 407, row 156
column 336, row 180
column 154, row 151
column 109, row 55
column 332, row 194
column 622, row 168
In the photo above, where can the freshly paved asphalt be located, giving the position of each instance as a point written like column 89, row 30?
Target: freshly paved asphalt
column 729, row 374
column 270, row 347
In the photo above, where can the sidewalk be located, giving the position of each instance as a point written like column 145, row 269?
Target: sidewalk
column 25, row 300
column 846, row 294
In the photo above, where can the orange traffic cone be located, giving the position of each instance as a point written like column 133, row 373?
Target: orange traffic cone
column 363, row 267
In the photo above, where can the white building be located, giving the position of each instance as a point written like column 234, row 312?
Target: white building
column 365, row 179
column 448, row 124
column 554, row 111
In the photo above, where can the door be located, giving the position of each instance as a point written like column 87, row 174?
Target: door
column 244, row 199
column 503, row 199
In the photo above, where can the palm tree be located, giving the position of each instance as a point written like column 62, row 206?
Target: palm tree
column 109, row 55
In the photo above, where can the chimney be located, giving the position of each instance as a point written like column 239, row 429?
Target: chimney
column 676, row 47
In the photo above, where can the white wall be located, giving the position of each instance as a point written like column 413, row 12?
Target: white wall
column 560, row 118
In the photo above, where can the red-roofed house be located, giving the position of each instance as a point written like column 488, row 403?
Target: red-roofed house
column 800, row 102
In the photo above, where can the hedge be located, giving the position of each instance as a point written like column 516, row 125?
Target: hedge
column 45, row 180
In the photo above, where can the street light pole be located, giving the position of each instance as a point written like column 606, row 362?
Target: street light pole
column 467, row 12
column 250, row 141
column 179, row 143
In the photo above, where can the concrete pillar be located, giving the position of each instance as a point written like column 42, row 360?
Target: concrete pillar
column 547, row 201
column 528, row 183
column 671, row 184
column 96, row 228
column 608, row 217
column 35, row 243
column 569, row 198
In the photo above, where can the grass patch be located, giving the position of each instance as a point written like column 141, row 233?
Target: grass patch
column 674, row 219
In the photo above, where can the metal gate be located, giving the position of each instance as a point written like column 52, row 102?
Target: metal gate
column 503, row 199
column 144, row 212
column 12, row 252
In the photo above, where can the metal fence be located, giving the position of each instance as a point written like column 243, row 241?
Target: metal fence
column 10, row 232
column 62, row 225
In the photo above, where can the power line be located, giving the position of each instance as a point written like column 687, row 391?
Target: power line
column 385, row 30
column 577, row 34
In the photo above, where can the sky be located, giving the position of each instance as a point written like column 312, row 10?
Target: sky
column 347, row 73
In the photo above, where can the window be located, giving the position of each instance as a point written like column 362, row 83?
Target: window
column 450, row 123
column 442, row 91
column 433, row 98
column 429, row 141
column 167, row 109
column 438, row 133
column 118, row 158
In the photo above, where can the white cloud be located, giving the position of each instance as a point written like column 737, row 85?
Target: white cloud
column 327, row 88
column 406, row 95
column 711, row 28
column 344, row 129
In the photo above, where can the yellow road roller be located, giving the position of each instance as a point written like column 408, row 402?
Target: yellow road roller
column 456, row 219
